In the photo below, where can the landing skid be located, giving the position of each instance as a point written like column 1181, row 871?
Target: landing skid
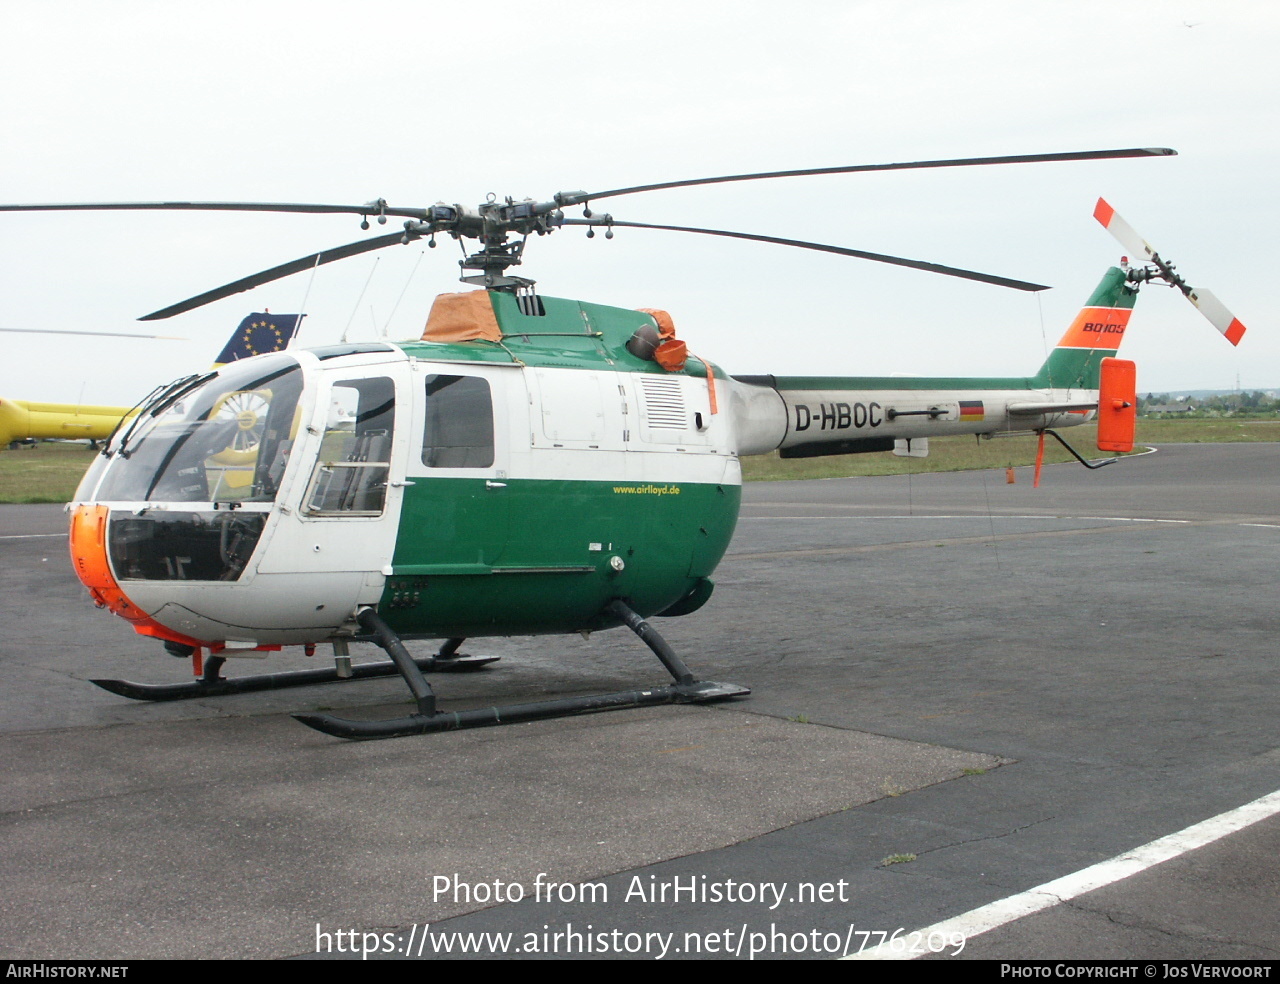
column 212, row 685
column 480, row 717
column 685, row 690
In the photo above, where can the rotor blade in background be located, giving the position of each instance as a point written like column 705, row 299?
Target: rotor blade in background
column 1209, row 305
column 279, row 272
column 985, row 278
column 369, row 208
column 94, row 334
column 1083, row 155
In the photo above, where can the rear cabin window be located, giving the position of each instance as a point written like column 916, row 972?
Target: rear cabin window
column 459, row 428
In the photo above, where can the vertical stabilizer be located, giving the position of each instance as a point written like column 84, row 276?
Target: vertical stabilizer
column 1094, row 335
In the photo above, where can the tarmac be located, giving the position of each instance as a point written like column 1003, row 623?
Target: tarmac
column 961, row 690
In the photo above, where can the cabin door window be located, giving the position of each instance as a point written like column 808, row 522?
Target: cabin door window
column 354, row 467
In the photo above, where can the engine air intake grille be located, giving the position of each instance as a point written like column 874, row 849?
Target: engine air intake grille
column 663, row 403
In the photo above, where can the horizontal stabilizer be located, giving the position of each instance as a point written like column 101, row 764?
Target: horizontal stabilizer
column 1034, row 408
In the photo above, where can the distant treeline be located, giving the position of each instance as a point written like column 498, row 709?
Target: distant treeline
column 1242, row 403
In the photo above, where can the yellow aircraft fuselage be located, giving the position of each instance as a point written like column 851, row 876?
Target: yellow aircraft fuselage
column 21, row 420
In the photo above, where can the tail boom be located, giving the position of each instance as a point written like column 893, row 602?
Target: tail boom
column 812, row 416
column 817, row 415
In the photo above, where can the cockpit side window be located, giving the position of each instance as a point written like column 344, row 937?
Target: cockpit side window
column 355, row 454
column 459, row 425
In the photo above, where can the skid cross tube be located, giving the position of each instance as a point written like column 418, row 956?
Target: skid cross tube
column 649, row 636
column 685, row 690
column 449, row 650
column 372, row 623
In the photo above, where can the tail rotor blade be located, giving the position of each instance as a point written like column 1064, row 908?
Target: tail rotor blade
column 1218, row 315
column 1125, row 233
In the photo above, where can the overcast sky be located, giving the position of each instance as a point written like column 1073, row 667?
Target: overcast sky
column 418, row 102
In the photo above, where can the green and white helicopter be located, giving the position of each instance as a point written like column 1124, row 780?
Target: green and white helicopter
column 531, row 465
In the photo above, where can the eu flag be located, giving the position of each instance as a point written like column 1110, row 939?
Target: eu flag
column 260, row 332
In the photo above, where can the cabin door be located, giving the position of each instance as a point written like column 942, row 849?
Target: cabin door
column 342, row 506
column 457, row 505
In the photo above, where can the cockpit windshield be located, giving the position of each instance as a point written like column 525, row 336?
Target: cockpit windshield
column 226, row 437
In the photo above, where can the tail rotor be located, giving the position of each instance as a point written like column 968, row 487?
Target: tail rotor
column 1158, row 268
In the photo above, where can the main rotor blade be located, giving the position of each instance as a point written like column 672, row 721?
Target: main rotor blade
column 985, row 278
column 278, row 272
column 369, row 208
column 1083, row 155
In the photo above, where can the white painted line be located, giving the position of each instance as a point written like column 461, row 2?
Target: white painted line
column 984, row 517
column 29, row 536
column 976, row 517
column 997, row 914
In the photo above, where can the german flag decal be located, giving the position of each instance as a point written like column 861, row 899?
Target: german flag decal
column 972, row 410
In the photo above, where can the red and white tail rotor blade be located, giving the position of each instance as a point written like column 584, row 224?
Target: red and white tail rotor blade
column 1218, row 315
column 1209, row 305
column 1125, row 233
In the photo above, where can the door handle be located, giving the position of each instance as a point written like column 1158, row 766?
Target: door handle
column 494, row 485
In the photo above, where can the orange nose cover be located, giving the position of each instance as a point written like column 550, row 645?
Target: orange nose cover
column 89, row 558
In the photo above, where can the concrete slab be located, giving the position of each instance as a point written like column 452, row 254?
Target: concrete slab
column 236, row 837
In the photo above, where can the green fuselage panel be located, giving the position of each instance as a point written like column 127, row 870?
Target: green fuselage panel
column 536, row 555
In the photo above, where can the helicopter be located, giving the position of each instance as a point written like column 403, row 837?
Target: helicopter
column 532, row 465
